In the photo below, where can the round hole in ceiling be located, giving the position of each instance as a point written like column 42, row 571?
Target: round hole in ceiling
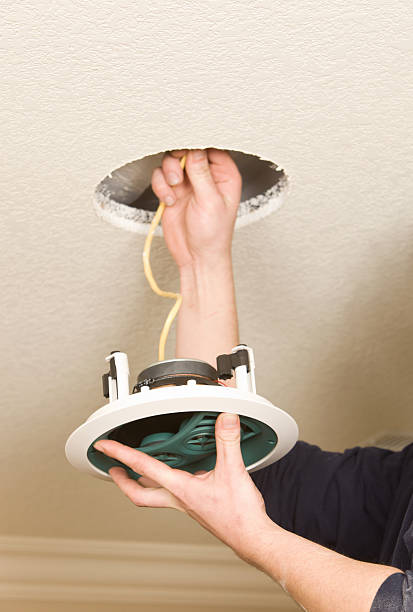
column 125, row 198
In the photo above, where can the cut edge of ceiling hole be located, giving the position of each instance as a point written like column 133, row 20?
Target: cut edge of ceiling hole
column 137, row 220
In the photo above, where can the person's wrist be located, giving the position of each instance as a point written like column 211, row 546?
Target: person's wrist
column 261, row 545
column 203, row 272
column 207, row 261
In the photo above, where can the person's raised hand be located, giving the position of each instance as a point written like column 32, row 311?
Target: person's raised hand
column 225, row 501
column 202, row 204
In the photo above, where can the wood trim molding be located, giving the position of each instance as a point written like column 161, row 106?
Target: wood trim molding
column 46, row 569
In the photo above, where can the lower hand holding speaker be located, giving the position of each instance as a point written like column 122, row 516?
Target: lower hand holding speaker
column 225, row 501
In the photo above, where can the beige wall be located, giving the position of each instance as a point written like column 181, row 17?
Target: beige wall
column 44, row 606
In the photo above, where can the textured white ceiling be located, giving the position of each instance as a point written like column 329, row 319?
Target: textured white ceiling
column 324, row 286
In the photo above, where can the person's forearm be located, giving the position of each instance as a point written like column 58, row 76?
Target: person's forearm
column 319, row 579
column 207, row 321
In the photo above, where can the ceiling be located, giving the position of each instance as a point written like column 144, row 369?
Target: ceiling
column 324, row 286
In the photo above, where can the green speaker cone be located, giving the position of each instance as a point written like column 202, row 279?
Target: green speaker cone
column 188, row 443
column 156, row 438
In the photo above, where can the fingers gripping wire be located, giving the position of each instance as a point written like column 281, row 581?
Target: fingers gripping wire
column 149, row 276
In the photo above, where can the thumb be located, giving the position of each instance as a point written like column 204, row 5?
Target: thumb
column 198, row 171
column 228, row 439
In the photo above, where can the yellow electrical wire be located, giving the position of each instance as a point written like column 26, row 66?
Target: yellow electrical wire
column 152, row 282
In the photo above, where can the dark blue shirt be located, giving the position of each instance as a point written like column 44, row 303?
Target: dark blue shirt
column 358, row 503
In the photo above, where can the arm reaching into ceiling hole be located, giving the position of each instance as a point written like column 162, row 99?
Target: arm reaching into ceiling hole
column 198, row 225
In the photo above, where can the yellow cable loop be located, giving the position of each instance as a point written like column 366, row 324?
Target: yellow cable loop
column 152, row 282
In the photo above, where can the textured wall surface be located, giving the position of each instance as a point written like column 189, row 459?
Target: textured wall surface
column 324, row 286
column 47, row 606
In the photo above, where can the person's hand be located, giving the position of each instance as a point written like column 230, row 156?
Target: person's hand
column 198, row 221
column 224, row 501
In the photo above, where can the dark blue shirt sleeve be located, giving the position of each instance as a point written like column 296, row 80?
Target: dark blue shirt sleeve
column 339, row 500
column 395, row 594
